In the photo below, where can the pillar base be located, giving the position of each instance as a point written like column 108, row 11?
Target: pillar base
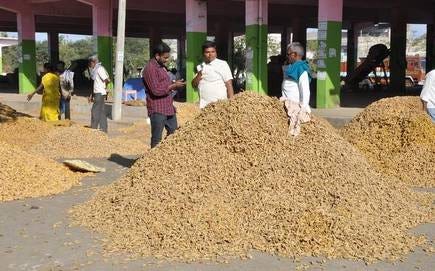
column 193, row 58
column 105, row 52
column 328, row 71
column 27, row 67
column 105, row 55
column 256, row 58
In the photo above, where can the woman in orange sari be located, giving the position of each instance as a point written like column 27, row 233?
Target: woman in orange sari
column 50, row 87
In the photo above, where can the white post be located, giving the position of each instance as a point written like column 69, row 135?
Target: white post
column 119, row 65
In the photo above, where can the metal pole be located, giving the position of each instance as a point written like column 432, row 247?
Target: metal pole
column 119, row 66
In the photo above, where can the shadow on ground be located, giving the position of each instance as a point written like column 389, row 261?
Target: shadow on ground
column 121, row 160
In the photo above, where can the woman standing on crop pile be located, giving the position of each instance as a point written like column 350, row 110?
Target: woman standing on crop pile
column 50, row 88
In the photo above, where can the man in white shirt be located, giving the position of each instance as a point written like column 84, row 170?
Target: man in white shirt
column 66, row 88
column 214, row 78
column 296, row 82
column 428, row 95
column 101, row 80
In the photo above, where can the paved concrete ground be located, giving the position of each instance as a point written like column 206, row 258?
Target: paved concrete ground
column 35, row 234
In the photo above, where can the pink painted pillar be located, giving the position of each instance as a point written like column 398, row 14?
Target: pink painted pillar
column 102, row 13
column 196, row 35
column 256, row 45
column 26, row 36
column 27, row 49
column 329, row 53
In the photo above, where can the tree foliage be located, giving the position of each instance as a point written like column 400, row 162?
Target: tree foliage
column 136, row 52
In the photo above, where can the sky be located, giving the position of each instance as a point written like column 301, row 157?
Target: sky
column 43, row 36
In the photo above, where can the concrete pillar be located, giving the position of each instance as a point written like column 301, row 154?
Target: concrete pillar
column 256, row 45
column 155, row 38
column 53, row 47
column 352, row 44
column 223, row 40
column 299, row 31
column 26, row 43
column 27, row 50
column 102, row 14
column 196, row 35
column 286, row 35
column 398, row 50
column 430, row 47
column 181, row 55
column 230, row 48
column 328, row 65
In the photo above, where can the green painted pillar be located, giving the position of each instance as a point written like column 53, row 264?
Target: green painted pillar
column 26, row 50
column 27, row 66
column 193, row 58
column 105, row 52
column 256, row 45
column 102, row 13
column 329, row 53
column 196, row 35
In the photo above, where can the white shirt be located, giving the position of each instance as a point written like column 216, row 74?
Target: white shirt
column 67, row 77
column 428, row 92
column 99, row 75
column 212, row 85
column 298, row 92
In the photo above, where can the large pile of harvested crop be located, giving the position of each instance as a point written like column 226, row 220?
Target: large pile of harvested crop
column 186, row 112
column 233, row 180
column 24, row 132
column 7, row 113
column 54, row 141
column 24, row 175
column 398, row 138
column 80, row 142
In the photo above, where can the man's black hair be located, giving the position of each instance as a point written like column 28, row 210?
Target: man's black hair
column 48, row 67
column 161, row 48
column 208, row 44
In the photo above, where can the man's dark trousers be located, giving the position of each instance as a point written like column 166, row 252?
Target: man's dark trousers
column 158, row 122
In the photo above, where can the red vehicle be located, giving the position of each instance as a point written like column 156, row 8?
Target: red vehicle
column 373, row 70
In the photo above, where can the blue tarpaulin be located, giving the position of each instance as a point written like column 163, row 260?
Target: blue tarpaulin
column 134, row 84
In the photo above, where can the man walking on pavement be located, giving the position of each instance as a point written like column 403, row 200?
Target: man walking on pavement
column 101, row 80
column 161, row 110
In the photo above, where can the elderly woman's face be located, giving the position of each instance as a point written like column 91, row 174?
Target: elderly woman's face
column 92, row 64
column 291, row 56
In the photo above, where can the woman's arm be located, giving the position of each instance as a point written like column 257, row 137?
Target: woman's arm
column 39, row 89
